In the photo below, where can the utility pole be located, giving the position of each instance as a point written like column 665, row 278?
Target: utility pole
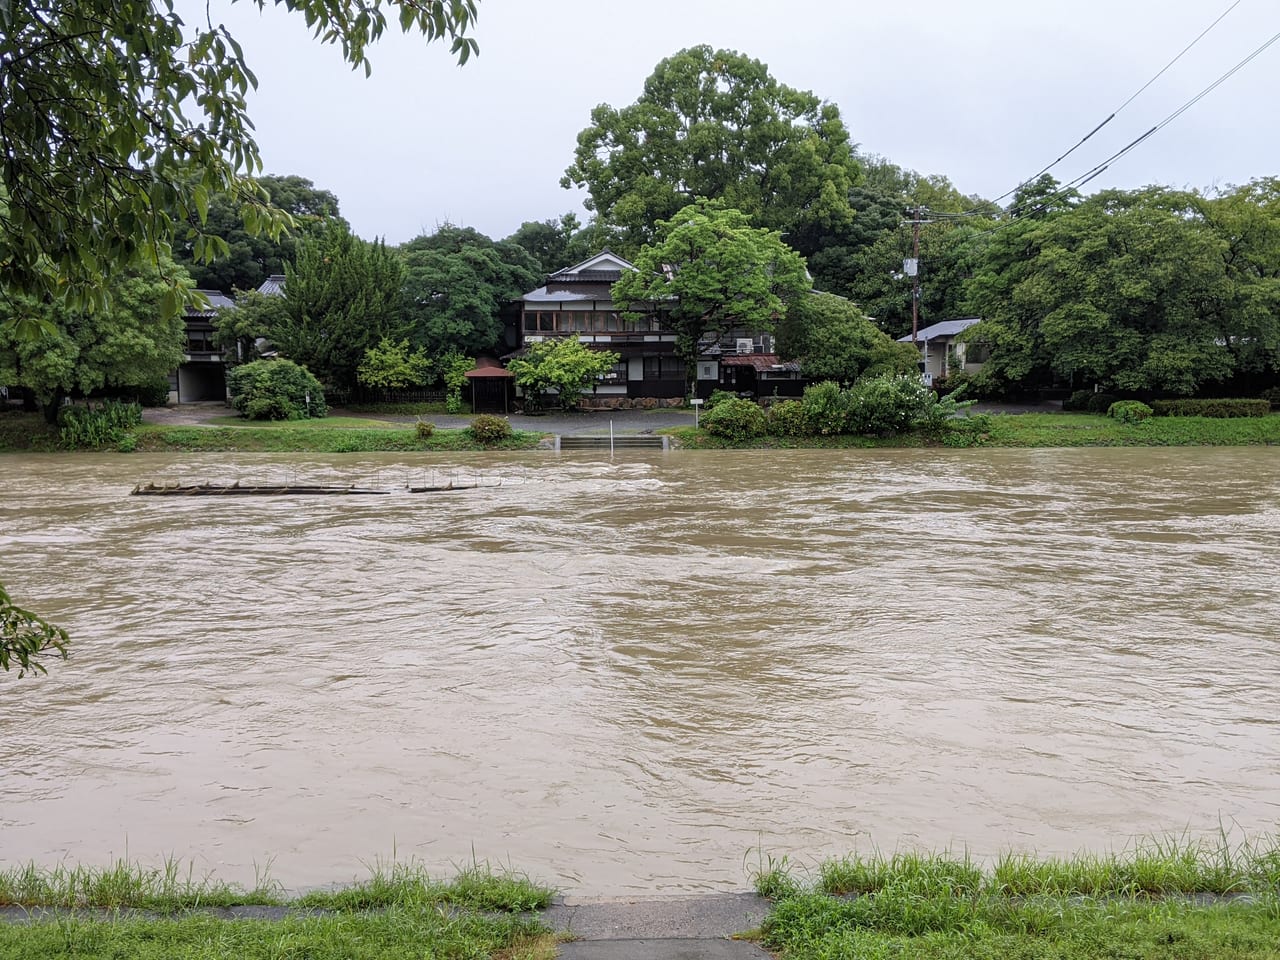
column 911, row 267
column 915, row 276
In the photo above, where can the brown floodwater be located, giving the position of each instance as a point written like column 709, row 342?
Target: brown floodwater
column 637, row 675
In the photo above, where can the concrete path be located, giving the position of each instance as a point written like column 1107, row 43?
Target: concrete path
column 665, row 928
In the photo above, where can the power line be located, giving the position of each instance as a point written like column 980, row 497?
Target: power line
column 1097, row 170
column 1117, row 110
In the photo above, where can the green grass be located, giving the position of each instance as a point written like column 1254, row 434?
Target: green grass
column 126, row 884
column 395, row 884
column 292, row 438
column 1158, row 866
column 436, row 408
column 1139, row 904
column 816, row 926
column 393, row 934
column 399, row 911
column 1030, row 430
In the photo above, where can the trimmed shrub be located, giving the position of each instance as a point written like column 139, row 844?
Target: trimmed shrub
column 423, row 429
column 1129, row 411
column 488, row 428
column 826, row 408
column 735, row 419
column 1100, row 402
column 717, row 397
column 276, row 390
column 787, row 419
column 1222, row 409
column 884, row 406
column 1079, row 400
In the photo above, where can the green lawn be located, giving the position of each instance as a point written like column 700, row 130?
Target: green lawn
column 1031, row 430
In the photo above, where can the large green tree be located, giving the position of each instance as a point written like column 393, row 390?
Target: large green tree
column 341, row 298
column 456, row 282
column 1247, row 222
column 1126, row 290
column 252, row 257
column 833, row 340
column 863, row 261
column 133, row 342
column 717, row 272
column 121, row 122
column 715, row 123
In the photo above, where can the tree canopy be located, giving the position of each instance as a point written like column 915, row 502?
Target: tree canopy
column 133, row 342
column 342, row 298
column 1147, row 291
column 252, row 257
column 555, row 244
column 833, row 340
column 563, row 364
column 456, row 282
column 122, row 122
column 715, row 123
column 718, row 273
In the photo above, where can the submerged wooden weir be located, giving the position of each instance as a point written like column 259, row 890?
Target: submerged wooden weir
column 278, row 490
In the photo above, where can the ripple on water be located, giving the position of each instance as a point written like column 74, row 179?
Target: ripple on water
column 626, row 675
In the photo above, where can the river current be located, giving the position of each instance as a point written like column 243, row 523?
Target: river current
column 642, row 674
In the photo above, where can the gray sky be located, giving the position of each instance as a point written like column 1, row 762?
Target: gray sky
column 985, row 92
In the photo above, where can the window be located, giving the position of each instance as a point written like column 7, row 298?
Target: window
column 663, row 368
column 617, row 373
column 977, row 352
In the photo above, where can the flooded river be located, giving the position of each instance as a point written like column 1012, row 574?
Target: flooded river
column 634, row 675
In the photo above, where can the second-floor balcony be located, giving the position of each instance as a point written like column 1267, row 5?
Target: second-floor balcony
column 589, row 323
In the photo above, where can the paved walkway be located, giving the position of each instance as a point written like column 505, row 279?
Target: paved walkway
column 665, row 928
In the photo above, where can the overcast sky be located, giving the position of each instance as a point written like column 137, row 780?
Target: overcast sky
column 986, row 92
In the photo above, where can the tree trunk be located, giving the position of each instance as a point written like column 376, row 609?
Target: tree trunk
column 52, row 407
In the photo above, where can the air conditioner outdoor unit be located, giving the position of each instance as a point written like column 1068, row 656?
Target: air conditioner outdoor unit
column 746, row 345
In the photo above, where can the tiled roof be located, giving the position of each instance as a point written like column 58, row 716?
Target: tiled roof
column 761, row 361
column 217, row 301
column 273, row 286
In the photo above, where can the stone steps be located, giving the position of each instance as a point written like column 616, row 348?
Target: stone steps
column 617, row 442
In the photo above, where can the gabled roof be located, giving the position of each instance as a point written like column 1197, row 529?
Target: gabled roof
column 217, row 301
column 597, row 273
column 604, row 262
column 273, row 286
column 944, row 328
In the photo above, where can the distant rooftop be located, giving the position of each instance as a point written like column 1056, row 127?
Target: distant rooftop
column 273, row 286
column 944, row 328
column 217, row 301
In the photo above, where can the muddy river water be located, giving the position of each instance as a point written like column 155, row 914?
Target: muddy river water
column 634, row 675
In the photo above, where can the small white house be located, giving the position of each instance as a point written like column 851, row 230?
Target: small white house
column 941, row 352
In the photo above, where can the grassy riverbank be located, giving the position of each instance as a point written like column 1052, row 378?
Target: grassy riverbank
column 1030, row 430
column 1165, row 899
column 165, row 914
column 1161, row 900
column 29, row 432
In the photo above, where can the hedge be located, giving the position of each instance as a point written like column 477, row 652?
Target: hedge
column 1211, row 408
